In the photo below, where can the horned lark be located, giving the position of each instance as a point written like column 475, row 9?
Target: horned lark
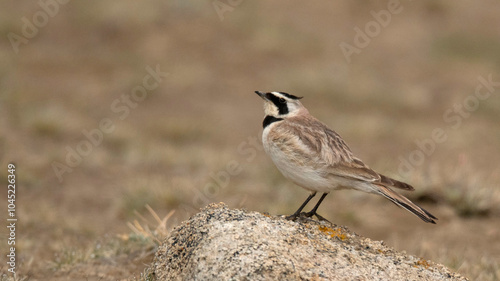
column 316, row 158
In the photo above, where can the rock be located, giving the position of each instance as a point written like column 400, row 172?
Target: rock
column 223, row 244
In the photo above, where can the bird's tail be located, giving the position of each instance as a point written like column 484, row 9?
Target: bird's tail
column 405, row 203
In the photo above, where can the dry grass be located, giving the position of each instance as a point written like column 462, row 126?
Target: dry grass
column 204, row 114
column 144, row 231
column 128, row 249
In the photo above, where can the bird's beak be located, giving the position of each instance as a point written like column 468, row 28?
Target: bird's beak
column 262, row 95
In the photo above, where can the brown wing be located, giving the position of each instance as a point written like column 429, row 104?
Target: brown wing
column 318, row 143
column 337, row 154
column 361, row 168
column 359, row 171
column 395, row 183
column 323, row 144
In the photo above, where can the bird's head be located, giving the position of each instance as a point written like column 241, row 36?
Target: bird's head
column 281, row 105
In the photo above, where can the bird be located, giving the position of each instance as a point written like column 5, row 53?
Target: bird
column 316, row 158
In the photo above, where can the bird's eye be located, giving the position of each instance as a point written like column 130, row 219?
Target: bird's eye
column 282, row 100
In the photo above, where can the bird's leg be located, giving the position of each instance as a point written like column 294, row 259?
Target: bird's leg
column 313, row 211
column 297, row 213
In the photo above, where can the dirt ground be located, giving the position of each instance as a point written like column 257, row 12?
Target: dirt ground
column 109, row 106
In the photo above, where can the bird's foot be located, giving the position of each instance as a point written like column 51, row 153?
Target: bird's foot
column 293, row 216
column 304, row 215
column 310, row 214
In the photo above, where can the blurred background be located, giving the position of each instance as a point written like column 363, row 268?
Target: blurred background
column 107, row 107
